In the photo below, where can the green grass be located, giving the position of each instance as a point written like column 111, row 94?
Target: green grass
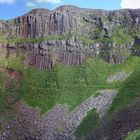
column 63, row 84
column 137, row 47
column 88, row 124
column 70, row 85
column 96, row 32
column 12, row 40
column 8, row 98
column 73, row 85
column 124, row 98
column 129, row 90
column 2, row 38
column 38, row 40
column 119, row 36
column 86, row 40
column 1, row 128
column 133, row 136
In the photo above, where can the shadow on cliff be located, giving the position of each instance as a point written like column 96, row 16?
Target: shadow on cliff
column 117, row 126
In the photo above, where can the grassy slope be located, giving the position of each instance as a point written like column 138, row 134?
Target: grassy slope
column 134, row 135
column 63, row 84
column 88, row 124
column 73, row 85
column 129, row 90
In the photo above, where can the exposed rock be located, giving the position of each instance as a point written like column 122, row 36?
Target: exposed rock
column 120, row 76
column 76, row 27
column 54, row 123
column 136, row 49
column 25, row 126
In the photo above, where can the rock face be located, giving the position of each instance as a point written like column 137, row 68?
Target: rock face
column 70, row 34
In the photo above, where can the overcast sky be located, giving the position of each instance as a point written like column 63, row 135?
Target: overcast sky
column 12, row 8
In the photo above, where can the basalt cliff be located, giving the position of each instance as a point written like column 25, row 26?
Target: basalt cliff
column 69, row 35
column 58, row 78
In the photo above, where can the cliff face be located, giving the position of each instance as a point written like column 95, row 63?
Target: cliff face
column 70, row 34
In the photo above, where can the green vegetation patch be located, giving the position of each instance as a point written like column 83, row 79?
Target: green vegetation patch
column 134, row 135
column 90, row 122
column 8, row 97
column 86, row 40
column 96, row 32
column 119, row 36
column 63, row 84
column 129, row 90
column 137, row 47
column 38, row 40
column 72, row 85
column 1, row 128
column 2, row 38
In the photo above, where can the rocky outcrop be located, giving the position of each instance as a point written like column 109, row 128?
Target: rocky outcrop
column 42, row 22
column 69, row 35
column 120, row 76
column 136, row 49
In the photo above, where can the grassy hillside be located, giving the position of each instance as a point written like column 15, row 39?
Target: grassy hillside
column 134, row 135
column 89, row 123
column 129, row 90
column 72, row 85
column 63, row 84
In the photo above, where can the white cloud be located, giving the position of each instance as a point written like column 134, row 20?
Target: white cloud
column 35, row 3
column 30, row 4
column 134, row 4
column 7, row 1
column 49, row 1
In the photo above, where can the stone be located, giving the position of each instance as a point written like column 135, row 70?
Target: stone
column 67, row 23
column 120, row 76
